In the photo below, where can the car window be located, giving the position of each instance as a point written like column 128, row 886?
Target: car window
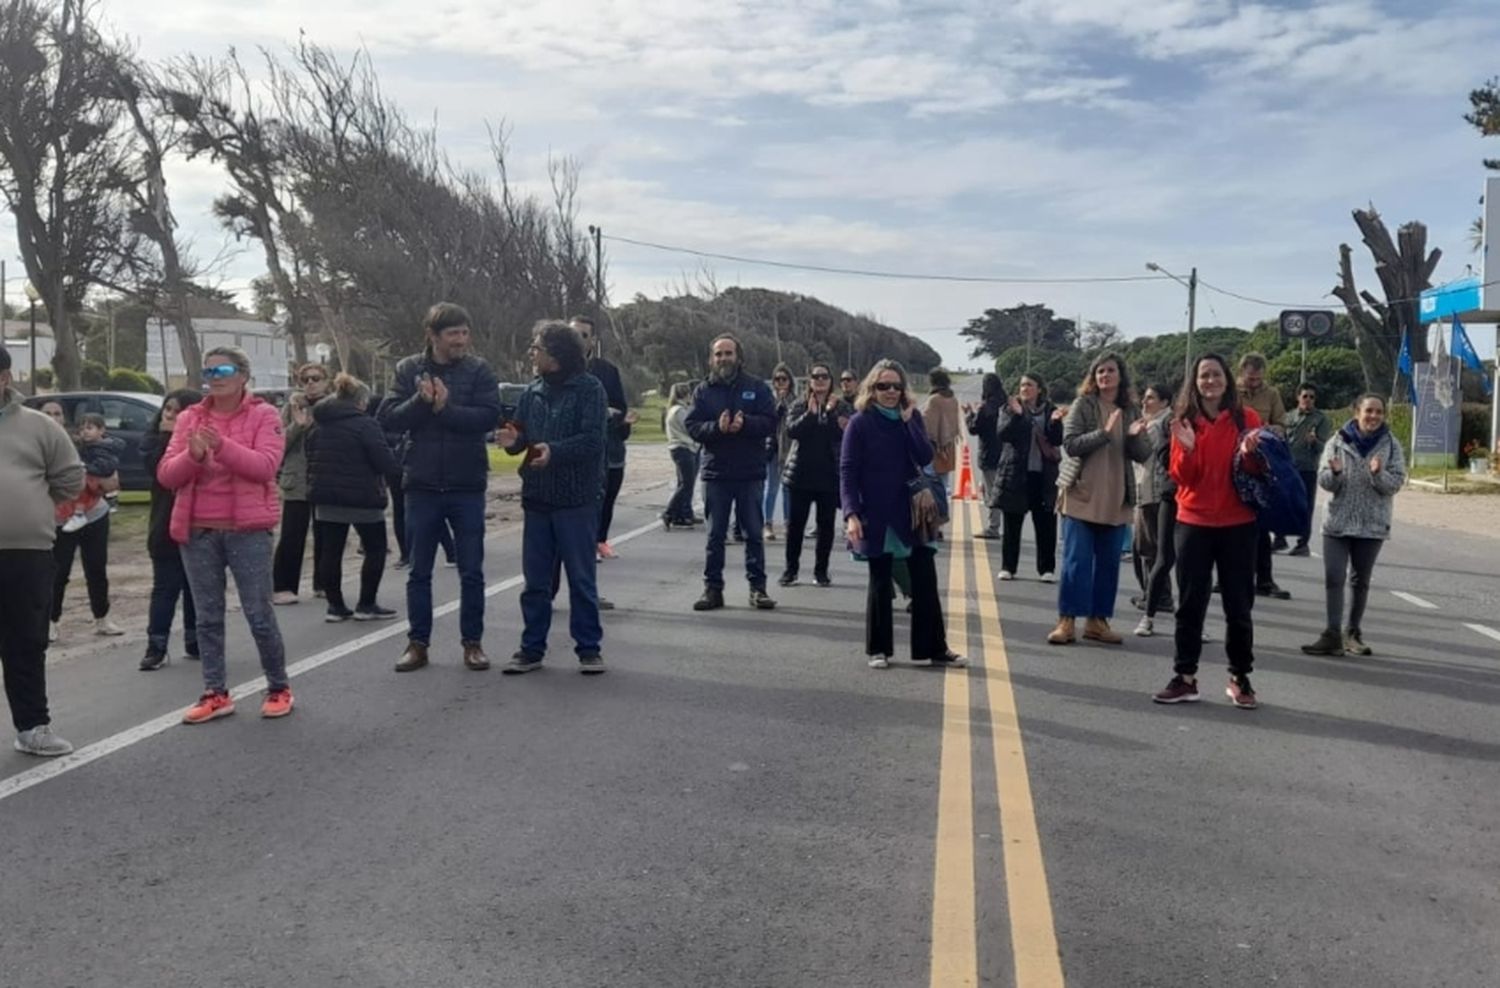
column 128, row 416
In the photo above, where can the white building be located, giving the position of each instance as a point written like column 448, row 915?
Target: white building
column 16, row 334
column 270, row 353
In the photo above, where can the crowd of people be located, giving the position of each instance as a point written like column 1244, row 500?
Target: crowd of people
column 1177, row 470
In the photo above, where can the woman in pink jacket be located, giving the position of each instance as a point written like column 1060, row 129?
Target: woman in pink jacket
column 222, row 462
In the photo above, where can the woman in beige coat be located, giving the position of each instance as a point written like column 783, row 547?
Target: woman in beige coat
column 940, row 413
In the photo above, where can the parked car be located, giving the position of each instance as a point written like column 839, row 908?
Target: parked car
column 276, row 396
column 127, row 416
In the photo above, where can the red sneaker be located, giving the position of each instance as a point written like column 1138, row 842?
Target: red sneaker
column 1179, row 690
column 278, row 703
column 1240, row 693
column 211, row 705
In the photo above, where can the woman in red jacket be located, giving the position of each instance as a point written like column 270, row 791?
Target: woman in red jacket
column 222, row 462
column 1215, row 529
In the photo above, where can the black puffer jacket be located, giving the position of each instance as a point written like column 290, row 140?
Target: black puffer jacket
column 348, row 460
column 1015, row 431
column 984, row 424
column 812, row 463
column 159, row 544
column 447, row 450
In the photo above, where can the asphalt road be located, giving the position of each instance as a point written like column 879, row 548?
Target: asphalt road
column 741, row 802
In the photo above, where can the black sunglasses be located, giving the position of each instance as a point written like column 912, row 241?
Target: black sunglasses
column 847, row 380
column 823, row 377
column 887, row 385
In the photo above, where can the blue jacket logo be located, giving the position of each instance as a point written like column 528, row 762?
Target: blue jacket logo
column 748, row 395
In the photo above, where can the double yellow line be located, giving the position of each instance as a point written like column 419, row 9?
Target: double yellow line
column 955, row 932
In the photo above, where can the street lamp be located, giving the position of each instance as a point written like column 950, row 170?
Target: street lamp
column 31, row 296
column 1192, row 286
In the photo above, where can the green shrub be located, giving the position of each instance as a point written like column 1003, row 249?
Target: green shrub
column 45, row 377
column 125, row 379
column 94, row 375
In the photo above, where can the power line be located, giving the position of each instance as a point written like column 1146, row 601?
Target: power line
column 868, row 273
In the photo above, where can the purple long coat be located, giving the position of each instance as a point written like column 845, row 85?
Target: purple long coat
column 878, row 457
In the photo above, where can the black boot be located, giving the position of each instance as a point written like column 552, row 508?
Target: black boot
column 711, row 600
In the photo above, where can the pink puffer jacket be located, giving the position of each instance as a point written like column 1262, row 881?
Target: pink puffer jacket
column 234, row 485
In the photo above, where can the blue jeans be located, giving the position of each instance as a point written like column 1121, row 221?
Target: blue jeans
column 207, row 556
column 566, row 536
column 773, row 487
column 1090, row 570
column 428, row 513
column 168, row 582
column 744, row 496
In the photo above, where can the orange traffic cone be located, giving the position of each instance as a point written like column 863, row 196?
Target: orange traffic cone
column 965, row 476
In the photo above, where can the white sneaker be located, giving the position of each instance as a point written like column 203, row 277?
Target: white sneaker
column 879, row 662
column 283, row 597
column 1005, row 575
column 52, row 633
column 41, row 741
column 77, row 521
column 1049, row 577
column 104, row 626
column 1207, row 637
column 1144, row 629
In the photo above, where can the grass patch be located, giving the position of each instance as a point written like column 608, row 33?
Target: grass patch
column 648, row 427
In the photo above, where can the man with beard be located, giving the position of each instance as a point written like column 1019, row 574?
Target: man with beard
column 560, row 424
column 731, row 418
column 447, row 400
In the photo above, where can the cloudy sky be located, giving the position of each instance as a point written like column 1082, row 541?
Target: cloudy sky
column 1027, row 139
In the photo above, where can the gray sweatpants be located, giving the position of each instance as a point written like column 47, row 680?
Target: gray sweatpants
column 1352, row 559
column 207, row 557
column 996, row 515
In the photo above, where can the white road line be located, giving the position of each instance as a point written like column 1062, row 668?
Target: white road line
column 51, row 769
column 1484, row 630
column 1414, row 599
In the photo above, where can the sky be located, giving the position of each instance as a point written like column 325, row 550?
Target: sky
column 1003, row 139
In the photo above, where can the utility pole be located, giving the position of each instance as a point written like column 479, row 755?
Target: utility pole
column 31, row 296
column 1187, row 371
column 598, row 234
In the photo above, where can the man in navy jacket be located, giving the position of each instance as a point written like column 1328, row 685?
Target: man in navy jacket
column 731, row 417
column 446, row 400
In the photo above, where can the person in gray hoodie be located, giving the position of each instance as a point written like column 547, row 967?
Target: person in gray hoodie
column 1363, row 468
column 39, row 468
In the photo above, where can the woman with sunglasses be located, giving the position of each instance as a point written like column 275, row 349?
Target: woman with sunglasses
column 168, row 577
column 777, row 448
column 815, row 427
column 885, row 447
column 222, row 462
column 296, row 515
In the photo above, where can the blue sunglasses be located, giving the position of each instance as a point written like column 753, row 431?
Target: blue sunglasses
column 221, row 370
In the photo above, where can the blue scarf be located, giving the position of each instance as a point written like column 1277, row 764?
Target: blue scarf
column 1354, row 436
column 890, row 413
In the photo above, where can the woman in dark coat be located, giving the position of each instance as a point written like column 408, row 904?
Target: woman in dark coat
column 885, row 446
column 984, row 424
column 815, row 431
column 1030, row 430
column 168, row 578
column 348, row 465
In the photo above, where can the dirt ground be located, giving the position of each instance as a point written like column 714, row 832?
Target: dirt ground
column 649, row 467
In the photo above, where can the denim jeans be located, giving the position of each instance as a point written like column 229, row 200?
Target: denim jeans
column 207, row 556
column 428, row 513
column 680, row 508
column 168, row 582
column 744, row 497
column 1090, row 570
column 774, row 486
column 566, row 536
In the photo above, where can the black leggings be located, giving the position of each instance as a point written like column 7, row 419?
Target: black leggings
column 1354, row 559
column 1202, row 551
column 331, row 537
column 286, row 568
column 1159, row 581
column 802, row 504
column 929, row 639
column 613, row 478
column 92, row 543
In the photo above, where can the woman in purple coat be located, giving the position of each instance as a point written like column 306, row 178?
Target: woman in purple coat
column 885, row 446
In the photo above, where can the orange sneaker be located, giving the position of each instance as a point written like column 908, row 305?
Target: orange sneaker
column 606, row 551
column 211, row 705
column 278, row 703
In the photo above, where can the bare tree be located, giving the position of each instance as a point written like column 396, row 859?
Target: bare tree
column 63, row 154
column 1404, row 267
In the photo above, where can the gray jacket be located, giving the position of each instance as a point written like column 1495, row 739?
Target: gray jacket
column 292, row 477
column 1361, row 504
column 1084, row 435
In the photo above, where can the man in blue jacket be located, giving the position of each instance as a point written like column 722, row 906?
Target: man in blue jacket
column 560, row 424
column 446, row 400
column 731, row 417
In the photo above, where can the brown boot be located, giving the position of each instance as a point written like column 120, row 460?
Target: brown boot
column 1063, row 633
column 1098, row 629
column 414, row 658
column 474, row 657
